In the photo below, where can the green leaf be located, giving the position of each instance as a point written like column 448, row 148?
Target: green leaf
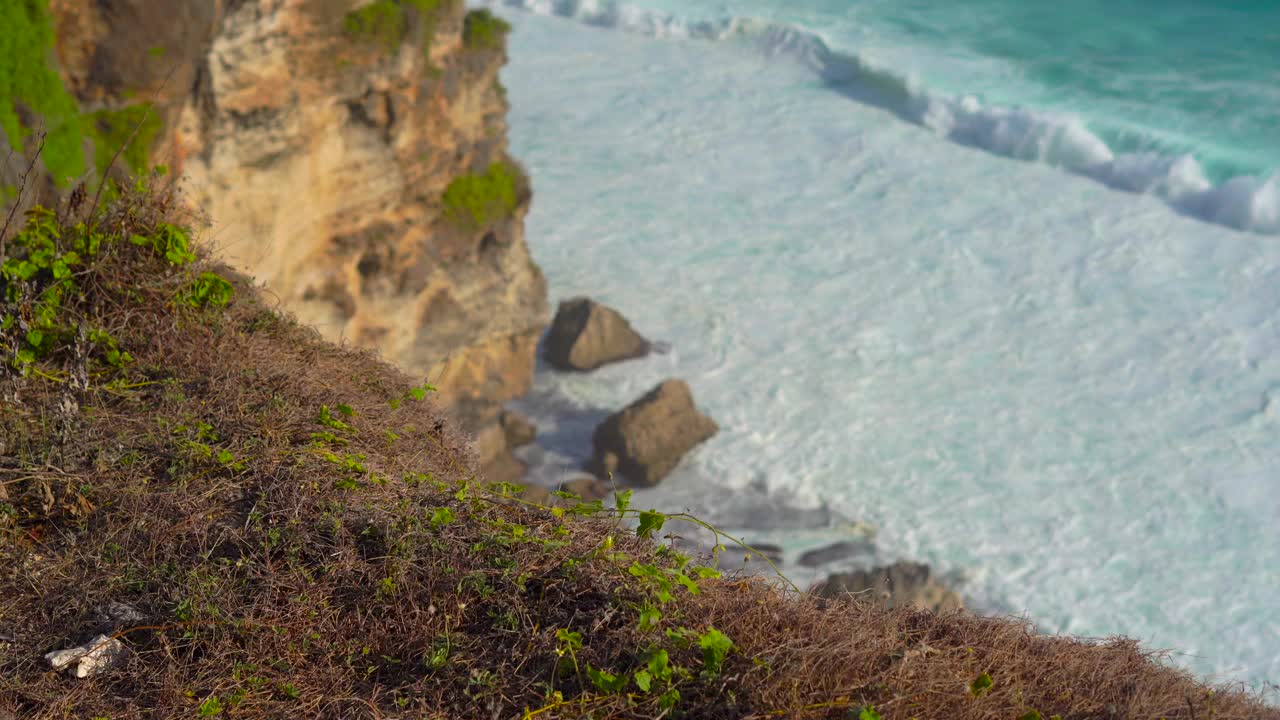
column 706, row 572
column 649, row 618
column 60, row 270
column 571, row 639
column 226, row 458
column 669, row 698
column 441, row 517
column 643, row 679
column 211, row 706
column 660, row 665
column 715, row 646
column 868, row 713
column 650, row 522
column 587, row 509
column 689, row 584
column 346, row 409
column 981, row 684
column 1033, row 715
column 622, row 500
column 606, row 681
column 35, row 337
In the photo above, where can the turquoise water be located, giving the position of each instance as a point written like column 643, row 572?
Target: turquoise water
column 1171, row 76
column 1177, row 99
column 1174, row 76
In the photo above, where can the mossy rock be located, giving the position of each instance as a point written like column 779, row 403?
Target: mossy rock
column 482, row 30
column 388, row 23
column 477, row 201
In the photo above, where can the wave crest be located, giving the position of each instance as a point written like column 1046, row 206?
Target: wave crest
column 1249, row 203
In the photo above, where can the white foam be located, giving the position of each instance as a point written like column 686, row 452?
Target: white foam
column 1010, row 371
column 1244, row 203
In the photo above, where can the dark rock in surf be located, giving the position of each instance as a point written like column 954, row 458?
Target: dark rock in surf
column 585, row 335
column 647, row 439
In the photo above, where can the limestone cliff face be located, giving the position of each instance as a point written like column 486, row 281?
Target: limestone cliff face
column 351, row 155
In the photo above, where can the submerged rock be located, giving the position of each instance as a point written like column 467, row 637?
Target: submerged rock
column 902, row 583
column 647, row 439
column 585, row 335
column 835, row 551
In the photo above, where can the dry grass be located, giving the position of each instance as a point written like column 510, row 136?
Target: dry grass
column 293, row 562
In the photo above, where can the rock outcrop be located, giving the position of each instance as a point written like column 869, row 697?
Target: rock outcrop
column 585, row 335
column 646, row 440
column 351, row 155
column 902, row 583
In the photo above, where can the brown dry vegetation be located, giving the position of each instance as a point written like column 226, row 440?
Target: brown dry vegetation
column 294, row 561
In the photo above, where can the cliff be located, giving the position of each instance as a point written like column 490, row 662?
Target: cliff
column 350, row 155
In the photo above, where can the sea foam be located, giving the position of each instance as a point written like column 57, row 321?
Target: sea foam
column 1247, row 202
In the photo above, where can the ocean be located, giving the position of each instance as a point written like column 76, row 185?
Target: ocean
column 999, row 278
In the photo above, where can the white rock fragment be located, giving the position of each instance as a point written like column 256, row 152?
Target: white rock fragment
column 89, row 659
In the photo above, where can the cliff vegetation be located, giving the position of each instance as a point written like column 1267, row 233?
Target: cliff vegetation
column 275, row 526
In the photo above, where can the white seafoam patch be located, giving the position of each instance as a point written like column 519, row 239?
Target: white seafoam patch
column 882, row 71
column 1011, row 371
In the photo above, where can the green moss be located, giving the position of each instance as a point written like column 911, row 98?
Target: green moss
column 28, row 77
column 382, row 22
column 482, row 30
column 112, row 131
column 474, row 201
column 387, row 23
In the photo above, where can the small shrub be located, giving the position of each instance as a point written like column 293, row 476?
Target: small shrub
column 482, row 30
column 476, row 201
column 382, row 22
column 208, row 290
column 387, row 23
column 114, row 130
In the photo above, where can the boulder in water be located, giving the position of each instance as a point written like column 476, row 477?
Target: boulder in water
column 646, row 440
column 585, row 335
